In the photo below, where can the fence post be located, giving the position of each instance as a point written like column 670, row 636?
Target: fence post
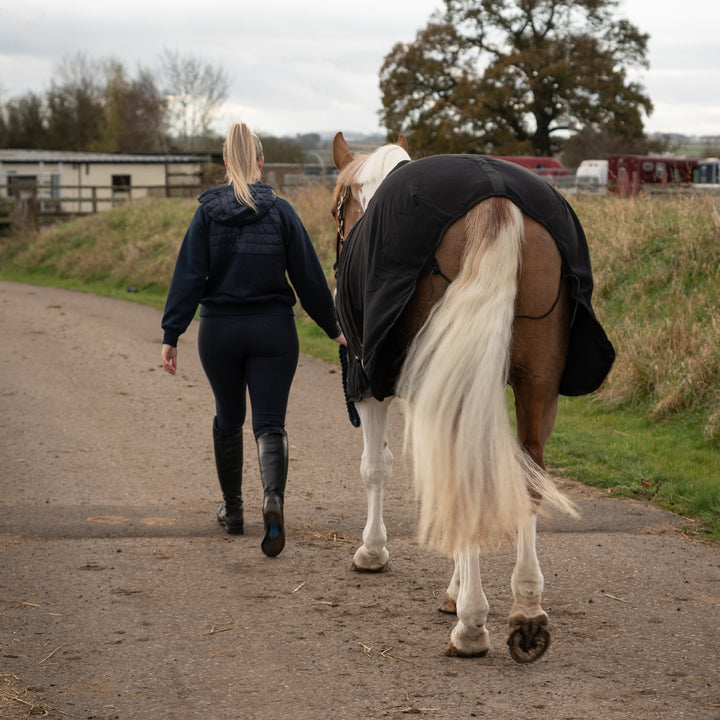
column 33, row 210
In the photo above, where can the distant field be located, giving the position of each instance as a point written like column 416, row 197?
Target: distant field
column 699, row 150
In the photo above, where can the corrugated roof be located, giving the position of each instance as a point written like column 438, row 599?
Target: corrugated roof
column 66, row 156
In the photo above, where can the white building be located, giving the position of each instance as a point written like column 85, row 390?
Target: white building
column 80, row 182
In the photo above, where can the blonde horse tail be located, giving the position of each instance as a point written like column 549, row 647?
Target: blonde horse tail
column 471, row 476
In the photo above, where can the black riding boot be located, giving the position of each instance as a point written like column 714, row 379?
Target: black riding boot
column 229, row 463
column 273, row 461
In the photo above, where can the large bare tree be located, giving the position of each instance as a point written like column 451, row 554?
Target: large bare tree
column 195, row 90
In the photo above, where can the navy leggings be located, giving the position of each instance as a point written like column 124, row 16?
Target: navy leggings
column 254, row 352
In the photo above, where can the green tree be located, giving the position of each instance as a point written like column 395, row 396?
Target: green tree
column 428, row 92
column 92, row 105
column 282, row 150
column 22, row 123
column 511, row 76
column 309, row 141
column 75, row 104
column 135, row 113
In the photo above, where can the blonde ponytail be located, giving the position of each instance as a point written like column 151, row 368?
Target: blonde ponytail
column 242, row 152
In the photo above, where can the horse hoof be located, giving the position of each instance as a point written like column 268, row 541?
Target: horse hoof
column 448, row 606
column 373, row 562
column 380, row 569
column 529, row 639
column 452, row 651
column 468, row 641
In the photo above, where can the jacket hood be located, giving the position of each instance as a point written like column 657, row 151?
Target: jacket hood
column 222, row 206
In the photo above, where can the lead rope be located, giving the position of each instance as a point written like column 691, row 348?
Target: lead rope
column 353, row 414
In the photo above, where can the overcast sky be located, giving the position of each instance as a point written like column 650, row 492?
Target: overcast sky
column 313, row 66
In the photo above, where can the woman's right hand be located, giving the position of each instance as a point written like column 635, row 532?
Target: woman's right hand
column 169, row 359
column 340, row 339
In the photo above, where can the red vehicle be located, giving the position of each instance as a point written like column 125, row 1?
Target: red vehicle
column 628, row 174
column 544, row 166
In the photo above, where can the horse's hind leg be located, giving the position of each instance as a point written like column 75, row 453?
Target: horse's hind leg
column 375, row 469
column 469, row 637
column 537, row 363
column 529, row 636
column 449, row 603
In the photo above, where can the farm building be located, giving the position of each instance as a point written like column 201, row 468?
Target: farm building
column 79, row 182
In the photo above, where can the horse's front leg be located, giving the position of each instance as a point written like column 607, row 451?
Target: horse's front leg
column 375, row 469
column 469, row 637
column 529, row 635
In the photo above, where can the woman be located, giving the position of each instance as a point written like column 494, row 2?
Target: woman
column 233, row 261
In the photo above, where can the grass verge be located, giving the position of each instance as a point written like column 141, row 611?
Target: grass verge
column 667, row 462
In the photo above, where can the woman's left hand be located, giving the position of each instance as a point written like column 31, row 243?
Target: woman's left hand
column 169, row 359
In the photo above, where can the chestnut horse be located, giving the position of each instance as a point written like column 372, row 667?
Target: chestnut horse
column 496, row 309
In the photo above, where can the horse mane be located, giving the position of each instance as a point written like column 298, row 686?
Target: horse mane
column 369, row 170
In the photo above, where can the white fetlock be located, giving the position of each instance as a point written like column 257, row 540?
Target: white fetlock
column 468, row 642
column 366, row 561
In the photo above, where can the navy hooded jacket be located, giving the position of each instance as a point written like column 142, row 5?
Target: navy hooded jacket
column 234, row 259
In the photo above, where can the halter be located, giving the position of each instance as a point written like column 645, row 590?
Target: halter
column 340, row 219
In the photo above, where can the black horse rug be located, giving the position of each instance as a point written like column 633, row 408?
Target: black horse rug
column 394, row 243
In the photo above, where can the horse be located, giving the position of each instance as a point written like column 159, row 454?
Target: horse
column 490, row 301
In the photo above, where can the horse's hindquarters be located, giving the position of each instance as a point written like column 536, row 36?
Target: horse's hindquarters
column 540, row 339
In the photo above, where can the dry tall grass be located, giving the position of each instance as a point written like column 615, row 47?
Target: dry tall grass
column 656, row 263
column 313, row 203
column 135, row 244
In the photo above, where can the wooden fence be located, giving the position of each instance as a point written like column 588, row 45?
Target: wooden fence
column 39, row 205
column 43, row 204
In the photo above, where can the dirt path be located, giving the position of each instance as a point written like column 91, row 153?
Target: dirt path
column 120, row 597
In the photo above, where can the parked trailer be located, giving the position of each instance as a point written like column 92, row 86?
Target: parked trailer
column 631, row 174
column 709, row 171
column 592, row 177
column 543, row 166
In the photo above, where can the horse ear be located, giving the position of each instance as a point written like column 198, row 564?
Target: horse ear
column 342, row 156
column 402, row 142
